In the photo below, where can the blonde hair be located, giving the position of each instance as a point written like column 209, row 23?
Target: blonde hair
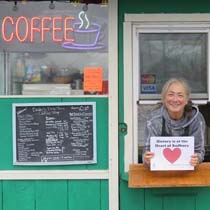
column 171, row 81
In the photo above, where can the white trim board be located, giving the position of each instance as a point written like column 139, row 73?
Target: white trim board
column 113, row 106
column 53, row 174
column 196, row 17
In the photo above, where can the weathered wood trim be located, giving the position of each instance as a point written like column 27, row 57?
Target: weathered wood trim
column 141, row 177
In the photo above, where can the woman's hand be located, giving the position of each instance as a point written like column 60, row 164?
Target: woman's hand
column 194, row 161
column 147, row 157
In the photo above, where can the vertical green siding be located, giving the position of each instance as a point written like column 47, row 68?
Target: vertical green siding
column 171, row 198
column 88, row 195
column 84, row 195
column 203, row 199
column 1, row 193
column 51, row 194
column 18, row 195
column 179, row 202
column 130, row 198
column 54, row 195
column 104, row 195
column 153, row 202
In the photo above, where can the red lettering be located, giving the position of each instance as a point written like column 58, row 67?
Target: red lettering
column 4, row 26
column 34, row 28
column 24, row 29
column 44, row 28
column 68, row 29
column 56, row 29
column 18, row 26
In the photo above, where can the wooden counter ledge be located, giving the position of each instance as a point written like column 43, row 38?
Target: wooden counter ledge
column 142, row 177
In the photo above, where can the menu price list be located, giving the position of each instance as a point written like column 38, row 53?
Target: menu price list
column 55, row 134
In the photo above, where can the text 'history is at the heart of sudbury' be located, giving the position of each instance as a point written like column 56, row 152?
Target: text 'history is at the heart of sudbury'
column 172, row 143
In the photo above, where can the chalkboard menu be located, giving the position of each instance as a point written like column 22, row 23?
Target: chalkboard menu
column 54, row 133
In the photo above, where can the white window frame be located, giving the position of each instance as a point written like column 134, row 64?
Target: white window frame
column 148, row 23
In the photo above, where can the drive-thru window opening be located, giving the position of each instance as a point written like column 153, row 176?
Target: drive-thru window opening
column 156, row 51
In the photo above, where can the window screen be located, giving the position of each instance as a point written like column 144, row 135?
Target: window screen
column 166, row 55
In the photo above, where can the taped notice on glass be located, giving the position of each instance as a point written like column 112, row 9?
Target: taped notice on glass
column 93, row 77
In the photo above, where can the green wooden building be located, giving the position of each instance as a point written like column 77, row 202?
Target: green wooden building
column 119, row 66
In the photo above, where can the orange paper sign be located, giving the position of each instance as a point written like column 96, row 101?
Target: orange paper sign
column 93, row 79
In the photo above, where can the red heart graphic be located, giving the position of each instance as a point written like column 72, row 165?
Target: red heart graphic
column 172, row 155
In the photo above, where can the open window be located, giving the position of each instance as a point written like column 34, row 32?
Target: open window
column 157, row 50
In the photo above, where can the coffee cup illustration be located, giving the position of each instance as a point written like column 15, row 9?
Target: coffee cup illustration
column 86, row 37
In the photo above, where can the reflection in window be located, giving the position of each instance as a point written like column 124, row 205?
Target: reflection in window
column 166, row 55
column 53, row 73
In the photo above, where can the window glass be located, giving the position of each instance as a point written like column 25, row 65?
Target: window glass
column 166, row 55
column 57, row 50
column 53, row 73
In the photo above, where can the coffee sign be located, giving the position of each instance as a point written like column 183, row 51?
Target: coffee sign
column 72, row 35
column 26, row 30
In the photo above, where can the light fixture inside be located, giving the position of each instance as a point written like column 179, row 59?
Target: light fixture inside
column 15, row 7
column 51, row 5
column 85, row 8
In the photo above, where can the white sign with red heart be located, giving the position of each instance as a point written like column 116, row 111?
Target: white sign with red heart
column 171, row 152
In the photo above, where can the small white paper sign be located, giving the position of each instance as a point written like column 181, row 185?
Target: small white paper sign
column 171, row 153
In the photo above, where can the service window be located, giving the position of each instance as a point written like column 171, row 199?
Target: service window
column 161, row 51
column 163, row 55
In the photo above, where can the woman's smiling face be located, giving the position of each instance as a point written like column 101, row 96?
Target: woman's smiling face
column 175, row 100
